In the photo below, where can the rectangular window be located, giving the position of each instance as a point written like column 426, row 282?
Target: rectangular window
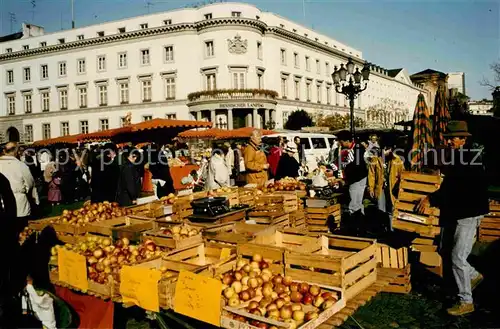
column 296, row 60
column 327, row 68
column 10, row 77
column 210, row 81
column 80, row 66
column 308, row 91
column 145, row 59
column 63, row 99
column 82, row 97
column 144, row 26
column 259, row 50
column 100, row 33
column 61, row 41
column 26, row 74
column 297, row 89
column 283, row 56
column 8, row 50
column 328, row 95
column 308, row 63
column 171, row 116
column 236, row 14
column 167, row 22
column 260, row 80
column 65, row 128
column 44, row 71
column 318, row 93
column 28, row 133
column 121, row 30
column 169, row 53
column 80, row 37
column 101, row 63
column 122, row 60
column 11, row 104
column 84, row 127
column 147, row 117
column 46, row 130
column 124, row 93
column 239, row 80
column 45, row 95
column 62, row 69
column 28, row 105
column 170, row 88
column 146, row 90
column 43, row 43
column 103, row 95
column 284, row 87
column 209, row 49
column 103, row 124
column 318, row 67
column 26, row 47
column 208, row 16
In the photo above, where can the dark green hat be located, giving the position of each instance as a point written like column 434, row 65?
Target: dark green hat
column 457, row 129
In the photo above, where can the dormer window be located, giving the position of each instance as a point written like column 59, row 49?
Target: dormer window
column 100, row 33
column 26, row 47
column 236, row 14
column 61, row 41
column 208, row 16
column 282, row 26
column 43, row 44
column 167, row 22
column 121, row 30
column 144, row 26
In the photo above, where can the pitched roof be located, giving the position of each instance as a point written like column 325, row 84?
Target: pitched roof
column 429, row 72
column 394, row 72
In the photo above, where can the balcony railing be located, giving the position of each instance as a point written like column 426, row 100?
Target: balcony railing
column 222, row 94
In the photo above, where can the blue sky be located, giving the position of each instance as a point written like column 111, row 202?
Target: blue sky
column 447, row 36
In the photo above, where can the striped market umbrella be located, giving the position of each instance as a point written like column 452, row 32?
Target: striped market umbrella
column 441, row 117
column 422, row 133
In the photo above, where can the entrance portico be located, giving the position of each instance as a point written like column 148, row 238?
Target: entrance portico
column 235, row 110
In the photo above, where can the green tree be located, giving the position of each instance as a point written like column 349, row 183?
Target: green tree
column 458, row 106
column 494, row 86
column 298, row 119
column 338, row 121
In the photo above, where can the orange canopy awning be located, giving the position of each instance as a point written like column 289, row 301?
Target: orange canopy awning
column 70, row 139
column 169, row 123
column 202, row 134
column 245, row 132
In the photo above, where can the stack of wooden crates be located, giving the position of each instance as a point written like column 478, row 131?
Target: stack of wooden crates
column 273, row 209
column 320, row 211
column 489, row 229
column 394, row 263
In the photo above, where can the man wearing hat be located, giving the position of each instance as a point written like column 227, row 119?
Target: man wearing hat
column 463, row 201
column 288, row 165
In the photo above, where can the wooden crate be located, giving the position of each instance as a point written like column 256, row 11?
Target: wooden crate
column 489, row 229
column 270, row 218
column 389, row 257
column 279, row 203
column 236, row 233
column 40, row 224
column 292, row 241
column 323, row 202
column 160, row 239
column 402, row 283
column 228, row 322
column 413, row 188
column 349, row 263
column 128, row 227
column 231, row 196
column 153, row 209
column 317, row 218
column 423, row 244
column 103, row 291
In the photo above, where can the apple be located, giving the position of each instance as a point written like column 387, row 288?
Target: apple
column 265, row 277
column 298, row 316
column 279, row 288
column 286, row 312
column 287, row 280
column 294, row 287
column 328, row 303
column 314, row 290
column 257, row 258
column 255, row 311
column 236, row 285
column 307, row 299
column 279, row 303
column 291, row 323
column 311, row 316
column 296, row 296
column 253, row 283
column 278, row 279
column 227, row 279
column 244, row 295
column 318, row 301
column 271, row 307
column 238, row 275
column 273, row 314
column 297, row 307
column 244, row 280
column 253, row 304
column 304, row 287
column 233, row 301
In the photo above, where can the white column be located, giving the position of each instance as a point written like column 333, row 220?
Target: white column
column 229, row 119
column 266, row 116
column 248, row 121
column 198, row 115
column 273, row 118
column 212, row 117
column 256, row 118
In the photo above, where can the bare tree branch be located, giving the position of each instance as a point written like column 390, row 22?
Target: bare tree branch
column 495, row 67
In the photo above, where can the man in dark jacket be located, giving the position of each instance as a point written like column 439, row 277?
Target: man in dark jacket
column 105, row 172
column 129, row 181
column 288, row 165
column 463, row 201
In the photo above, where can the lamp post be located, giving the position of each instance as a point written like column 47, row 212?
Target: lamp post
column 351, row 83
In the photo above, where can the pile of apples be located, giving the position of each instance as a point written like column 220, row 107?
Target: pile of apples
column 92, row 212
column 105, row 258
column 168, row 199
column 276, row 297
column 180, row 232
column 285, row 184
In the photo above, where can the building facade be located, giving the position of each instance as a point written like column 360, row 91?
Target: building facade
column 483, row 107
column 229, row 63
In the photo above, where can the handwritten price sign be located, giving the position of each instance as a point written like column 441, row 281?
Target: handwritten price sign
column 73, row 269
column 199, row 297
column 139, row 285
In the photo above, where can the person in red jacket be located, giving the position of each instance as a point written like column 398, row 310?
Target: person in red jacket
column 274, row 156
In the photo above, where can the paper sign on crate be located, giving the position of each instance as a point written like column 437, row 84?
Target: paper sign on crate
column 225, row 253
column 73, row 269
column 198, row 297
column 139, row 285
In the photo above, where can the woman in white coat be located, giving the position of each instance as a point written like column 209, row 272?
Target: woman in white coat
column 218, row 172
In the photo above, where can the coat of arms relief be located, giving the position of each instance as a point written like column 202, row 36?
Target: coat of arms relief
column 237, row 46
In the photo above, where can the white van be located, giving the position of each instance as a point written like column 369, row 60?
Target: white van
column 316, row 146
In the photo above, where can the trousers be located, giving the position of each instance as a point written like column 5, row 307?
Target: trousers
column 463, row 241
column 385, row 206
column 356, row 193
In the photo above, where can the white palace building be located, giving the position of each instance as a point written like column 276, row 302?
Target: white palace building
column 229, row 63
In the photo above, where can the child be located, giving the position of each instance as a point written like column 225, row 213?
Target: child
column 54, row 195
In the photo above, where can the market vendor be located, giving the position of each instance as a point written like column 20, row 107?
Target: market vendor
column 288, row 165
column 255, row 161
column 463, row 202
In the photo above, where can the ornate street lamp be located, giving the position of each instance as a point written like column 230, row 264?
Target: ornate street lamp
column 351, row 82
column 221, row 124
